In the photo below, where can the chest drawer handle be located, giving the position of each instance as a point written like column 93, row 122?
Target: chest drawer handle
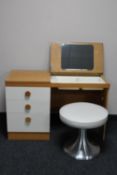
column 28, row 120
column 27, row 94
column 27, row 107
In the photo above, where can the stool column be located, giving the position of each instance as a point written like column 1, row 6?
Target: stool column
column 82, row 148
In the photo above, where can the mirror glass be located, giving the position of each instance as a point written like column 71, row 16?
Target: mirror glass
column 75, row 56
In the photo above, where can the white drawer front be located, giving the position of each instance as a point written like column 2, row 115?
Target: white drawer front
column 35, row 106
column 20, row 92
column 16, row 122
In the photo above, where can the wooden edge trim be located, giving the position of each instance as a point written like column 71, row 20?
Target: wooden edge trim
column 57, row 85
column 82, row 85
column 73, row 73
column 28, row 136
column 32, row 84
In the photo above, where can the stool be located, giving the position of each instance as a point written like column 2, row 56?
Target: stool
column 84, row 116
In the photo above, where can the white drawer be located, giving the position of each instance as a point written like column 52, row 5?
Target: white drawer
column 16, row 122
column 27, row 92
column 22, row 105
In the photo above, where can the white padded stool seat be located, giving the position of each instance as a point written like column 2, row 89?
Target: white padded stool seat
column 83, row 115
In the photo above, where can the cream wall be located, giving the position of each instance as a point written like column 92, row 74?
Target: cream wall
column 28, row 27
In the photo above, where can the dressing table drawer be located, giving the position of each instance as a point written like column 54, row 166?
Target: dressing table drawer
column 33, row 106
column 21, row 122
column 26, row 93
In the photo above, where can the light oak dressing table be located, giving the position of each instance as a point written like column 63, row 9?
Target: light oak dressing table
column 32, row 95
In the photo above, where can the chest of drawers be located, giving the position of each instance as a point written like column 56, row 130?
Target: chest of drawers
column 28, row 111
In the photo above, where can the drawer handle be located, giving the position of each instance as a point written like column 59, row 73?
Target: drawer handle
column 28, row 120
column 27, row 107
column 27, row 94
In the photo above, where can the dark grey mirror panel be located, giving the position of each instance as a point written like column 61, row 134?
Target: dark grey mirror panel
column 77, row 56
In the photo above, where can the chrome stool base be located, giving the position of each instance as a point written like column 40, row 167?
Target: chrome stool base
column 82, row 149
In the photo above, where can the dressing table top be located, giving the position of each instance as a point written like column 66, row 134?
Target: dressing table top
column 28, row 78
column 45, row 79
